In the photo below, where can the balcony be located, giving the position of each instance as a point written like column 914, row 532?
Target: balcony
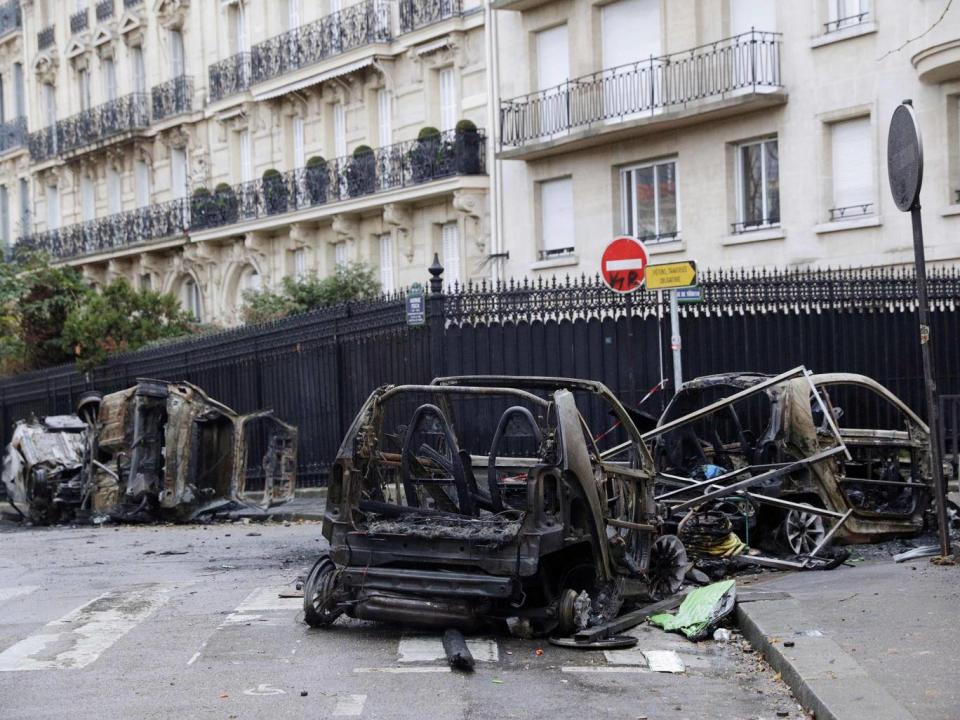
column 117, row 117
column 173, row 97
column 358, row 25
column 11, row 19
column 415, row 14
column 80, row 21
column 126, row 229
column 720, row 79
column 388, row 168
column 46, row 38
column 104, row 10
column 13, row 134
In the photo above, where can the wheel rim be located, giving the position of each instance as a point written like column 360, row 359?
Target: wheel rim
column 321, row 590
column 668, row 564
column 803, row 531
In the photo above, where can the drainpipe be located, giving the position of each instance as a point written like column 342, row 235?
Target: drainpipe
column 493, row 139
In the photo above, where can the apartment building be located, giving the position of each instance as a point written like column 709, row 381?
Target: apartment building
column 207, row 147
column 733, row 132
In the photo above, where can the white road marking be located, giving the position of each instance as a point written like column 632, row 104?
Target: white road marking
column 631, row 264
column 264, row 689
column 268, row 598
column 192, row 660
column 430, row 649
column 15, row 592
column 664, row 661
column 602, row 669
column 350, row 706
column 405, row 670
column 81, row 636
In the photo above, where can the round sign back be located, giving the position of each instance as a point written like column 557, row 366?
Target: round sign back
column 905, row 158
column 623, row 263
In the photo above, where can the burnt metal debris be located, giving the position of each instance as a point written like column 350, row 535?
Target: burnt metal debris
column 158, row 450
column 525, row 524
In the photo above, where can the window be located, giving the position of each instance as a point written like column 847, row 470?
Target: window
column 300, row 263
column 114, row 192
column 246, row 157
column 24, row 206
column 5, row 240
column 240, row 41
column 293, row 14
column 139, row 70
column 88, row 198
column 250, row 281
column 18, row 87
column 384, row 117
column 146, row 282
column 178, row 65
column 339, row 130
column 83, row 87
column 853, row 172
column 387, row 282
column 109, row 79
column 747, row 15
column 450, row 240
column 553, row 69
column 845, row 13
column 298, row 153
column 631, row 31
column 448, row 99
column 758, row 185
column 141, row 174
column 190, row 299
column 178, row 172
column 556, row 218
column 650, row 210
column 50, row 105
column 53, row 207
column 340, row 254
column 3, row 101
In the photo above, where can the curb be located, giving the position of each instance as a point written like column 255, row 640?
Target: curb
column 825, row 679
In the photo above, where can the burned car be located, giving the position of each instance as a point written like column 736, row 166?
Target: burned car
column 488, row 501
column 809, row 457
column 161, row 450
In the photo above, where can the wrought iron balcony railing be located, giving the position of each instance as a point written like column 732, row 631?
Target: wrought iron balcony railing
column 361, row 24
column 11, row 18
column 132, row 3
column 125, row 114
column 229, row 76
column 13, row 134
column 153, row 222
column 844, row 213
column 172, row 98
column 388, row 168
column 416, row 14
column 104, row 10
column 80, row 21
column 46, row 38
column 841, row 23
column 745, row 226
column 746, row 62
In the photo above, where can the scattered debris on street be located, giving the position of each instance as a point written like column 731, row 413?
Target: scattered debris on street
column 155, row 451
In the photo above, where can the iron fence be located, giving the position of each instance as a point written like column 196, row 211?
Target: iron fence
column 326, row 181
column 80, row 21
column 172, row 98
column 746, row 62
column 229, row 76
column 152, row 222
column 316, row 369
column 13, row 134
column 415, row 14
column 361, row 24
column 104, row 10
column 11, row 18
column 46, row 38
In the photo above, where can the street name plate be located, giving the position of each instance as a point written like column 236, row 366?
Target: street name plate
column 416, row 308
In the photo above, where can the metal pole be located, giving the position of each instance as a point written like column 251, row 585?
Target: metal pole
column 660, row 339
column 675, row 341
column 936, row 450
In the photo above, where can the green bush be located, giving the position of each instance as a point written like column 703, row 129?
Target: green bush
column 361, row 150
column 316, row 161
column 428, row 133
column 465, row 126
column 354, row 281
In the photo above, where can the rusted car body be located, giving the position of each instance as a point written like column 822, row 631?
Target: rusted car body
column 163, row 450
column 481, row 500
column 879, row 484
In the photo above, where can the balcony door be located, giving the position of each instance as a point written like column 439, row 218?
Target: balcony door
column 633, row 76
column 551, row 111
column 752, row 51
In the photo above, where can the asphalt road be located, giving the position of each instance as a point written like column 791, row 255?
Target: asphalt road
column 100, row 623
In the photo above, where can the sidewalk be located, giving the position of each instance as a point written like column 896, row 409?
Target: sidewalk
column 878, row 640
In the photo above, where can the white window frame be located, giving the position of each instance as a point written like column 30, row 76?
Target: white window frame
column 83, row 87
column 384, row 117
column 865, row 208
column 245, row 145
column 555, row 252
column 628, row 199
column 339, row 130
column 765, row 200
column 23, row 190
column 5, row 239
column 53, row 207
column 141, row 177
column 836, row 21
column 300, row 263
column 109, row 79
column 299, row 152
column 452, row 261
column 191, row 298
column 449, row 100
column 387, row 276
column 114, row 192
column 139, row 70
column 178, row 183
column 340, row 253
column 88, row 198
column 178, row 53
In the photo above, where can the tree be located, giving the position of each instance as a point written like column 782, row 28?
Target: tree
column 354, row 281
column 119, row 319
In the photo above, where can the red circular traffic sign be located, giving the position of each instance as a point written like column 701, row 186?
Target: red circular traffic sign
column 623, row 264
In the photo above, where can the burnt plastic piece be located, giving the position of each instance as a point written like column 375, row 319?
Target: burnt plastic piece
column 493, row 481
column 450, row 463
column 458, row 654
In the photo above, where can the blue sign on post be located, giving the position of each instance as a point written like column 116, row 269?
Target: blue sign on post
column 688, row 295
column 416, row 307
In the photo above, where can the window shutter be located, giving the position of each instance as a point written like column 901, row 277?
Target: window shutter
column 87, row 198
column 293, row 15
column 178, row 172
column 246, row 157
column 340, row 254
column 448, row 99
column 299, row 263
column 752, row 14
column 298, row 152
column 631, row 31
column 142, row 179
column 556, row 216
column 386, row 263
column 139, row 71
column 178, row 61
column 450, row 236
column 339, row 130
column 114, row 191
column 553, row 57
column 53, row 207
column 383, row 107
column 852, row 163
column 5, row 217
column 110, row 78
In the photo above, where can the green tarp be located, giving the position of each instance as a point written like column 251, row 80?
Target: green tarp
column 700, row 611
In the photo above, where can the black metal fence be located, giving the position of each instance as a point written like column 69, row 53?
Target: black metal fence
column 316, row 369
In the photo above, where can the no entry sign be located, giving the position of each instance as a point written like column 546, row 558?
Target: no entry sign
column 623, row 263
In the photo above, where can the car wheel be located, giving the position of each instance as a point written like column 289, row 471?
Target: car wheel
column 319, row 607
column 668, row 567
column 567, row 613
column 802, row 531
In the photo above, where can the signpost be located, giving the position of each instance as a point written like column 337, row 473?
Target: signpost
column 905, row 171
column 673, row 277
column 623, row 263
